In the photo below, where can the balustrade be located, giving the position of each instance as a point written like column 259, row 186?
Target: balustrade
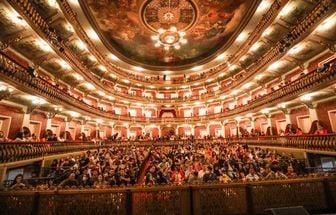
column 315, row 194
column 15, row 151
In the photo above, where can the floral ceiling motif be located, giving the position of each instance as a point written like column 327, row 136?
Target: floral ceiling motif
column 126, row 27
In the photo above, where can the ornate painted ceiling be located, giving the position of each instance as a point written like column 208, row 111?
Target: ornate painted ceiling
column 127, row 26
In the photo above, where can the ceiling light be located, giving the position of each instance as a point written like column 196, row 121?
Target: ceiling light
column 247, row 85
column 255, row 47
column 89, row 86
column 296, row 49
column 197, row 68
column 92, row 58
column 221, row 57
column 209, row 80
column 275, row 65
column 99, row 121
column 169, row 38
column 113, row 57
column 44, row 46
column 235, row 92
column 242, row 36
column 306, row 97
column 263, row 6
column 327, row 24
column 92, row 34
column 267, row 32
column 259, row 77
column 36, row 100
column 152, row 87
column 81, row 45
column 126, row 81
column 221, row 75
column 69, row 27
column 78, row 77
column 110, row 97
column 74, row 114
column 101, row 93
column 287, row 9
column 138, row 69
column 283, row 105
column 63, row 64
column 102, row 68
column 264, row 111
column 16, row 19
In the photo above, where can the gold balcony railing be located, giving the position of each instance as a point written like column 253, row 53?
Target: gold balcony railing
column 15, row 151
column 315, row 194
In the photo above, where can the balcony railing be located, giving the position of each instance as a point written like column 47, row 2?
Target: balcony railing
column 15, row 151
column 315, row 194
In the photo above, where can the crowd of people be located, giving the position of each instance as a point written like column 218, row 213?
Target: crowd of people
column 115, row 166
column 219, row 163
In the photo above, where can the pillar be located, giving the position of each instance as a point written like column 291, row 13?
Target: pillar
column 128, row 131
column 193, row 130
column 26, row 120
column 48, row 126
column 313, row 114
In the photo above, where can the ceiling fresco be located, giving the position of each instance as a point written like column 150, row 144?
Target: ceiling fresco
column 126, row 27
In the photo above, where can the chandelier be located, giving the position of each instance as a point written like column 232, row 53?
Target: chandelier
column 169, row 38
column 169, row 20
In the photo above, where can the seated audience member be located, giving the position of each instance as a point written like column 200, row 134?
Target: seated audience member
column 318, row 128
column 85, row 181
column 252, row 176
column 70, row 181
column 290, row 172
column 2, row 137
column 19, row 137
column 18, row 182
column 290, row 130
column 299, row 132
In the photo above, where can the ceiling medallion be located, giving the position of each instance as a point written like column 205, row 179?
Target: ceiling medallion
column 169, row 20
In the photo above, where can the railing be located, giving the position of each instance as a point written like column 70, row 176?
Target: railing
column 310, row 142
column 315, row 194
column 15, row 151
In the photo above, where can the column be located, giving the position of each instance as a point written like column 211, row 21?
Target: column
column 288, row 119
column 159, row 127
column 128, row 131
column 252, row 122
column 269, row 122
column 48, row 126
column 26, row 120
column 97, row 130
column 223, row 129
column 313, row 114
column 67, row 123
column 208, row 128
column 193, row 130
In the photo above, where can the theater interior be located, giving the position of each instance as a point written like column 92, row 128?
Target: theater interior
column 168, row 107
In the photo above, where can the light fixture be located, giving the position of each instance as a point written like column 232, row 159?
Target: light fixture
column 169, row 21
column 169, row 38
